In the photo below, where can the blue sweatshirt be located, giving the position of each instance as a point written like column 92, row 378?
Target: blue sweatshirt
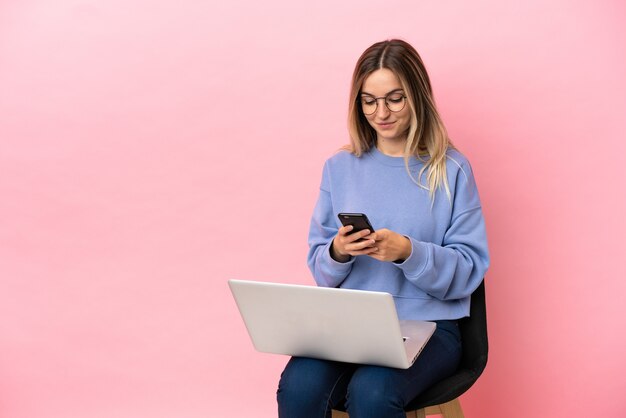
column 449, row 245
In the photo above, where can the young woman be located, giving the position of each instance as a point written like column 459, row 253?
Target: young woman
column 429, row 249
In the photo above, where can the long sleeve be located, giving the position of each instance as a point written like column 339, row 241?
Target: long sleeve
column 326, row 271
column 454, row 269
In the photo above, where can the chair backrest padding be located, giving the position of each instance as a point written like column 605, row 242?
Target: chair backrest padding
column 474, row 334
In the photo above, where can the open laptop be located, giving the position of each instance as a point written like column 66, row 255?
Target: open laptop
column 353, row 326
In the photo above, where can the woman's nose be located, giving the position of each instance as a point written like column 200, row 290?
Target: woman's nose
column 381, row 109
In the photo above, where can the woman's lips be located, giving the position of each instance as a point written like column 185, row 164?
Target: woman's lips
column 385, row 125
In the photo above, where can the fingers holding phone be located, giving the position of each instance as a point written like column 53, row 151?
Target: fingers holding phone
column 347, row 243
column 353, row 238
column 357, row 237
column 391, row 246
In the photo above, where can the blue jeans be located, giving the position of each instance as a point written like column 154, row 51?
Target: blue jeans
column 310, row 388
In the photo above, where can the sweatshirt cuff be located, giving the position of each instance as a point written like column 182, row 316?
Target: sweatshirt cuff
column 417, row 261
column 335, row 270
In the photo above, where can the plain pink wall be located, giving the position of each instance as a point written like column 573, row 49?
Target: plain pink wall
column 151, row 150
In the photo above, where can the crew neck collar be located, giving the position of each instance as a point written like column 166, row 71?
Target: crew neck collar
column 391, row 161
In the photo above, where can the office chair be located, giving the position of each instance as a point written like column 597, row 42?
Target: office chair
column 443, row 397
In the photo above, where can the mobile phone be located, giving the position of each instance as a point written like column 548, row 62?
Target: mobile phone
column 358, row 221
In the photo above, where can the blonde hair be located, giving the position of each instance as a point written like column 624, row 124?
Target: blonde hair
column 427, row 138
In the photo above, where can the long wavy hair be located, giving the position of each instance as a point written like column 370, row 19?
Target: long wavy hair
column 427, row 138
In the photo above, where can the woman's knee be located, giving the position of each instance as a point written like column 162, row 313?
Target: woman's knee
column 308, row 385
column 374, row 392
column 297, row 382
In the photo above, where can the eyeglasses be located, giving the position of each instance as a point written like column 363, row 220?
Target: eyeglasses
column 395, row 102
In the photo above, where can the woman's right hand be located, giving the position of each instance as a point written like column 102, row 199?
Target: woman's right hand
column 346, row 244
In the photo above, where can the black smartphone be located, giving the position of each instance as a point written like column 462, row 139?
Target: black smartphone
column 358, row 220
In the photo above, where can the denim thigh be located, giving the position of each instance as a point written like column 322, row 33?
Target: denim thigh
column 310, row 388
column 375, row 391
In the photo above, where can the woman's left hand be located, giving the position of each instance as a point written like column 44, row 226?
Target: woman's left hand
column 390, row 245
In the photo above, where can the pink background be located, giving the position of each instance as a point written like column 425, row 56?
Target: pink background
column 151, row 150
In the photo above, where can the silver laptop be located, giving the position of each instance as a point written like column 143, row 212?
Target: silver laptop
column 353, row 326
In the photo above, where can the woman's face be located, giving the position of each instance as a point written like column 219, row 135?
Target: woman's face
column 389, row 126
